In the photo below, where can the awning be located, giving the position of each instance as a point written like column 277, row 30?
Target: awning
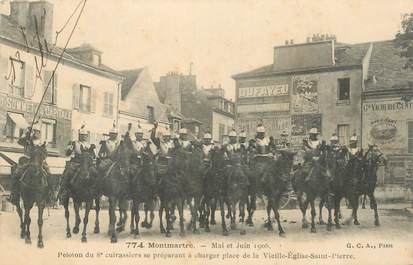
column 18, row 119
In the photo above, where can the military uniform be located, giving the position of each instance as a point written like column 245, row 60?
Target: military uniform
column 29, row 143
column 108, row 150
column 312, row 148
column 184, row 143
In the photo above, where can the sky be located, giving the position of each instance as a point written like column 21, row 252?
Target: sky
column 221, row 38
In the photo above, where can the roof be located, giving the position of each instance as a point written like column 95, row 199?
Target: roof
column 130, row 78
column 11, row 31
column 386, row 68
column 345, row 56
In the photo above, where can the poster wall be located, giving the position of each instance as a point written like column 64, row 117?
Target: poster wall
column 304, row 96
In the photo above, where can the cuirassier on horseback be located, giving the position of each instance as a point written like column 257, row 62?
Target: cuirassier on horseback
column 79, row 181
column 30, row 181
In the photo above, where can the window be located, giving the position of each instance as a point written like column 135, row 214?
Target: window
column 50, row 96
column 410, row 136
column 85, row 98
column 343, row 133
column 108, row 104
column 17, row 79
column 15, row 126
column 343, row 89
column 151, row 114
column 48, row 132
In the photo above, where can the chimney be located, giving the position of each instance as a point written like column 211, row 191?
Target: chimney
column 308, row 39
column 291, row 41
column 286, row 42
column 19, row 11
column 26, row 14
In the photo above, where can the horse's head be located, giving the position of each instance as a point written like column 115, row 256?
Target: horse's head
column 87, row 157
column 124, row 156
column 38, row 156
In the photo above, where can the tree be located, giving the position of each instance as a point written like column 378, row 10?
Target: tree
column 404, row 39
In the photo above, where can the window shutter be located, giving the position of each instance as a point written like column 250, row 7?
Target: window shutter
column 105, row 103
column 93, row 100
column 46, row 77
column 76, row 96
column 55, row 89
column 4, row 67
column 28, row 85
column 110, row 104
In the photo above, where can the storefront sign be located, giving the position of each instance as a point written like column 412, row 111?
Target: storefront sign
column 19, row 105
column 274, row 107
column 264, row 91
column 385, row 124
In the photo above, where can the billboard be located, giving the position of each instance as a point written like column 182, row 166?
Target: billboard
column 304, row 98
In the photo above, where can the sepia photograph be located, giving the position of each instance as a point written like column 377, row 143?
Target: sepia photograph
column 206, row 132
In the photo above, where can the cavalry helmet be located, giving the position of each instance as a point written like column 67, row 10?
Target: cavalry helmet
column 83, row 131
column 243, row 134
column 354, row 138
column 313, row 131
column 284, row 133
column 334, row 137
column 207, row 136
column 232, row 133
column 139, row 130
column 260, row 129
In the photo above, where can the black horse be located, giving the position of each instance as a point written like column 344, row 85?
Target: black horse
column 83, row 188
column 34, row 188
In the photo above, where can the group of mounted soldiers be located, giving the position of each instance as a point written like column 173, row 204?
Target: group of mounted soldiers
column 246, row 162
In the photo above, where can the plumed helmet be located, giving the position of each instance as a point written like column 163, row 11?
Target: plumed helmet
column 139, row 130
column 232, row 133
column 114, row 130
column 284, row 133
column 207, row 136
column 183, row 131
column 334, row 138
column 166, row 132
column 313, row 131
column 260, row 129
column 82, row 130
column 354, row 138
column 243, row 134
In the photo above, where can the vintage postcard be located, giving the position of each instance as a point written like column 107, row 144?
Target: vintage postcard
column 206, row 132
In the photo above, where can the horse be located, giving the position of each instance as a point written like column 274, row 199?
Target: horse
column 34, row 188
column 215, row 189
column 237, row 184
column 336, row 163
column 362, row 180
column 83, row 188
column 171, row 188
column 114, row 184
column 312, row 181
column 142, row 189
column 194, row 181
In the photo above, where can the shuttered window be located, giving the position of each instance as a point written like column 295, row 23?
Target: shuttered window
column 410, row 136
column 108, row 104
column 17, row 77
column 51, row 93
column 85, row 98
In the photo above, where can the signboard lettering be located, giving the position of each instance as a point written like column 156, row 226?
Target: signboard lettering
column 276, row 107
column 264, row 91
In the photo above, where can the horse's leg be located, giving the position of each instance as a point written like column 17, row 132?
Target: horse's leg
column 88, row 206
column 213, row 209
column 151, row 206
column 251, row 206
column 355, row 206
column 66, row 206
column 320, row 216
column 232, row 213
column 161, row 208
column 313, row 215
column 132, row 217
column 27, row 221
column 224, row 226
column 137, row 218
column 119, row 223
column 373, row 205
column 76, row 206
column 269, row 222
column 330, row 205
column 303, row 208
column 112, row 219
column 20, row 213
column 97, row 209
column 242, row 204
column 202, row 211
column 40, row 207
column 337, row 212
column 181, row 216
column 123, row 216
column 207, row 213
column 168, row 217
column 363, row 204
column 275, row 207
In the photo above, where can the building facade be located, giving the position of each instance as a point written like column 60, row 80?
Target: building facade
column 315, row 84
column 81, row 91
column 140, row 104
